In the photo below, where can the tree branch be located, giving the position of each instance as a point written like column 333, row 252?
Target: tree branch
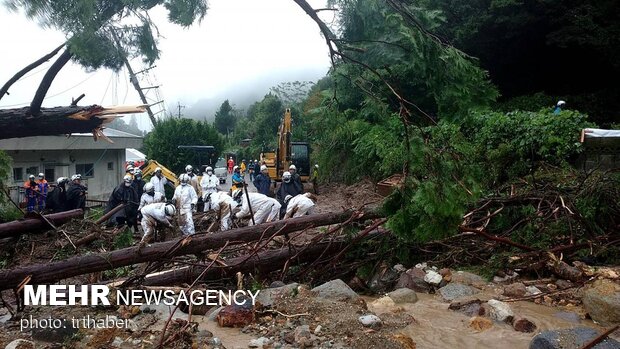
column 46, row 82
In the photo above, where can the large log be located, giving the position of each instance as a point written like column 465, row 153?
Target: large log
column 21, row 226
column 52, row 272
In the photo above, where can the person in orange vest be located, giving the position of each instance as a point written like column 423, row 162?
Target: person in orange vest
column 31, row 193
column 43, row 187
column 231, row 164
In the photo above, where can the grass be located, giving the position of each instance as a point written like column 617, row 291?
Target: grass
column 8, row 213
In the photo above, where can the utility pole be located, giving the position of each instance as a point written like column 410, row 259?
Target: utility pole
column 179, row 106
column 134, row 80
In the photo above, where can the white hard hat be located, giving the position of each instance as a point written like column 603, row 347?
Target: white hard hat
column 184, row 178
column 317, row 165
column 75, row 176
column 137, row 170
column 209, row 168
column 149, row 187
column 287, row 198
column 157, row 169
column 61, row 180
column 31, row 176
column 292, row 167
column 41, row 175
column 129, row 168
column 561, row 103
column 236, row 194
column 235, row 168
column 170, row 210
column 286, row 174
column 189, row 168
column 127, row 179
column 255, row 160
column 263, row 167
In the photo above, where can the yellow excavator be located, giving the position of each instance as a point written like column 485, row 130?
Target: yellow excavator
column 288, row 153
column 148, row 169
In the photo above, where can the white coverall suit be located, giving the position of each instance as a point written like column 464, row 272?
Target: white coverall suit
column 298, row 206
column 208, row 183
column 222, row 204
column 159, row 184
column 185, row 196
column 265, row 209
column 146, row 199
column 152, row 215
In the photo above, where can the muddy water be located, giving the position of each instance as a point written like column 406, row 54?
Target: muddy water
column 439, row 327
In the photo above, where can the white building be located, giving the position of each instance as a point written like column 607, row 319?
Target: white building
column 100, row 163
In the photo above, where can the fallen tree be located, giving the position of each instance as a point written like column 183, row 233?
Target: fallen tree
column 52, row 272
column 15, row 228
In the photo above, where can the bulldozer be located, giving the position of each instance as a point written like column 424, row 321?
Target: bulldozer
column 287, row 153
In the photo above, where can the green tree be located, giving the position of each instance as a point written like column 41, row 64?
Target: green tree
column 162, row 142
column 225, row 120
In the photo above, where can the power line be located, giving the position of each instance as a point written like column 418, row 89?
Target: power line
column 54, row 95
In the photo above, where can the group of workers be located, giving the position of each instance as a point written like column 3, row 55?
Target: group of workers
column 68, row 194
column 252, row 168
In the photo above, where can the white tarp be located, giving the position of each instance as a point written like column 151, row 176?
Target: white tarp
column 134, row 155
column 597, row 132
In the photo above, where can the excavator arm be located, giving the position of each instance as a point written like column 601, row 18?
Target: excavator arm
column 148, row 169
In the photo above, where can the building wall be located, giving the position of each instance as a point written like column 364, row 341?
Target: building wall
column 108, row 167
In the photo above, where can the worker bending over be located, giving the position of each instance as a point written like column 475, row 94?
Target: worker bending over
column 154, row 215
column 299, row 205
column 222, row 204
column 185, row 198
column 150, row 196
column 265, row 209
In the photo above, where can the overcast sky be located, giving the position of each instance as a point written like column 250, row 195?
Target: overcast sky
column 241, row 48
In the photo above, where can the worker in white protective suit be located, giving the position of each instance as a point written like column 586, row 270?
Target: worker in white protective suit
column 185, row 198
column 150, row 196
column 222, row 204
column 154, row 215
column 208, row 183
column 297, row 206
column 265, row 209
column 159, row 182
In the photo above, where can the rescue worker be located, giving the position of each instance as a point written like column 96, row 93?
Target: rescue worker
column 231, row 164
column 558, row 107
column 129, row 170
column 257, row 169
column 251, row 170
column 222, row 204
column 262, row 182
column 31, row 193
column 296, row 178
column 193, row 179
column 314, row 178
column 43, row 188
column 153, row 215
column 159, row 182
column 237, row 180
column 243, row 167
column 76, row 193
column 208, row 183
column 185, row 198
column 138, row 183
column 265, row 209
column 287, row 187
column 150, row 196
column 124, row 194
column 56, row 200
column 299, row 205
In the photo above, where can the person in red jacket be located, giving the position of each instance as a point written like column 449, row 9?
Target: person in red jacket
column 231, row 164
column 31, row 191
column 43, row 188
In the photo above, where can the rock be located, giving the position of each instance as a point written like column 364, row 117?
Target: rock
column 276, row 284
column 515, row 290
column 500, row 311
column 421, row 266
column 235, row 316
column 432, row 277
column 571, row 338
column 523, row 325
column 117, row 342
column 260, row 342
column 372, row 321
column 384, row 302
column 480, row 324
column 384, row 279
column 289, row 337
column 303, row 336
column 131, row 325
column 471, row 307
column 56, row 335
column 20, row 344
column 318, row 329
column 454, row 290
column 213, row 315
column 399, row 268
column 405, row 341
column 602, row 302
column 214, row 341
column 268, row 296
column 505, row 278
column 335, row 290
column 563, row 284
column 413, row 279
column 568, row 316
column 532, row 290
column 467, row 278
column 403, row 295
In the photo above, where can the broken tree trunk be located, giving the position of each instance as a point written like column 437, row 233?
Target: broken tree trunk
column 27, row 225
column 59, row 120
column 51, row 272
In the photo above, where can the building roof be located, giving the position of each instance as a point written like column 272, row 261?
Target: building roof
column 134, row 155
column 122, row 140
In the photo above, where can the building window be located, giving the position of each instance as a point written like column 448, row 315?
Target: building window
column 86, row 170
column 50, row 174
column 110, row 166
column 34, row 170
column 18, row 174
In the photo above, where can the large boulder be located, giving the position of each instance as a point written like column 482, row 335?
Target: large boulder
column 268, row 296
column 602, row 302
column 454, row 290
column 467, row 278
column 384, row 279
column 403, row 295
column 500, row 311
column 335, row 290
column 413, row 279
column 570, row 338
